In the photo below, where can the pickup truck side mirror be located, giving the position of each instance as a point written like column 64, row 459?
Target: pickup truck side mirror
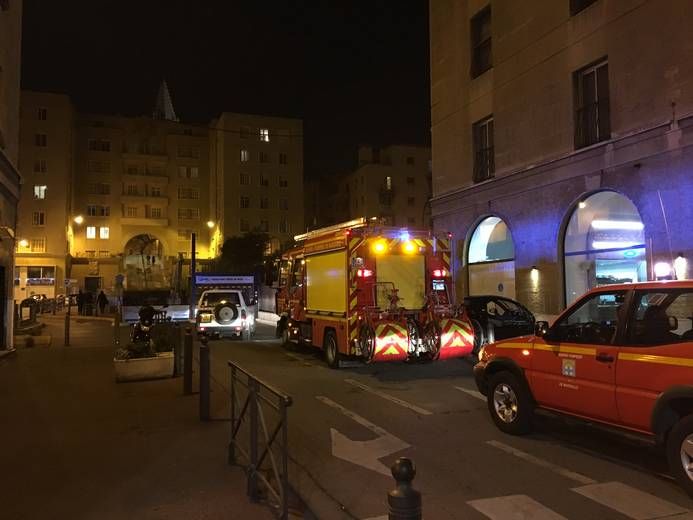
column 541, row 328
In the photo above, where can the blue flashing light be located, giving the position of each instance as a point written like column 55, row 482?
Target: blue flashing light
column 630, row 253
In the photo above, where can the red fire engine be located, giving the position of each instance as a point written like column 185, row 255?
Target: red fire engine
column 377, row 293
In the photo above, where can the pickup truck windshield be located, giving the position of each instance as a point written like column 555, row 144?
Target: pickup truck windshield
column 212, row 299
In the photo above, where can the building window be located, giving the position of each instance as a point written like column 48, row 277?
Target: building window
column 245, row 155
column 245, row 202
column 283, row 226
column 40, row 166
column 245, row 132
column 98, row 166
column 264, row 135
column 41, row 140
column 40, row 191
column 245, row 179
column 104, row 253
column 388, row 183
column 185, row 150
column 411, row 181
column 99, row 145
column 482, row 134
column 155, row 191
column 38, row 218
column 103, row 188
column 91, row 232
column 155, row 213
column 283, row 182
column 263, row 157
column 184, row 234
column 578, row 5
column 283, row 159
column 98, row 211
column 188, row 213
column 592, row 113
column 410, row 161
column 131, row 211
column 284, row 204
column 104, row 232
column 481, row 42
column 411, row 201
column 37, row 245
column 264, row 181
column 264, row 203
column 188, row 172
column 244, row 225
column 264, row 226
column 132, row 189
column 186, row 192
column 133, row 170
column 42, row 114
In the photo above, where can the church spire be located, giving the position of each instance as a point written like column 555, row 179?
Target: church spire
column 163, row 107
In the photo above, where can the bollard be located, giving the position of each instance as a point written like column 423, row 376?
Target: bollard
column 116, row 329
column 204, row 380
column 187, row 362
column 67, row 329
column 404, row 501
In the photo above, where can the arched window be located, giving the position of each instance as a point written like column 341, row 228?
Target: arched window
column 491, row 259
column 604, row 244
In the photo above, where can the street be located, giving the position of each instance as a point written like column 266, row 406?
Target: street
column 347, row 426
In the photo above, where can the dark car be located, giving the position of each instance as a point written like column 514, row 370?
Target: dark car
column 496, row 317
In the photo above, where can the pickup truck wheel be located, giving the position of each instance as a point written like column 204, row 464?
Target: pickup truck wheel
column 680, row 453
column 479, row 338
column 331, row 350
column 509, row 404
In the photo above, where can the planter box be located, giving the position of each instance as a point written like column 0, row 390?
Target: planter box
column 139, row 369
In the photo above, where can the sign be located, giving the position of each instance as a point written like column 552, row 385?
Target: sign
column 70, row 281
column 221, row 279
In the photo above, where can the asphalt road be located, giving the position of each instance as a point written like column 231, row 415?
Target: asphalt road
column 347, row 426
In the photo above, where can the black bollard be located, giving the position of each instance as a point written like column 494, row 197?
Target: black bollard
column 204, row 380
column 67, row 329
column 187, row 362
column 404, row 501
column 116, row 329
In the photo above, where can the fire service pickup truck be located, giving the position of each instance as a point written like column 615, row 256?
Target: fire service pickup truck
column 226, row 307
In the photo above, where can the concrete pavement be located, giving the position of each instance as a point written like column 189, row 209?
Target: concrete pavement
column 77, row 445
column 346, row 424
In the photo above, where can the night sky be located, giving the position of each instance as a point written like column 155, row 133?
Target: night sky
column 356, row 71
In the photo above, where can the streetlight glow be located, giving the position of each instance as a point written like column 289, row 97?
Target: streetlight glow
column 23, row 242
column 210, row 224
column 79, row 219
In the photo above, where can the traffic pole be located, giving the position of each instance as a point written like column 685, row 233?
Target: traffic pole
column 187, row 362
column 404, row 500
column 204, row 380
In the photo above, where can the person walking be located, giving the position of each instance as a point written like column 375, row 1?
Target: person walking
column 102, row 301
column 80, row 302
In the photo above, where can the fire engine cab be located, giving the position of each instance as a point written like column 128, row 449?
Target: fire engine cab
column 376, row 293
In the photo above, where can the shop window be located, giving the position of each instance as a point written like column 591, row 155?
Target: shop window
column 491, row 259
column 604, row 243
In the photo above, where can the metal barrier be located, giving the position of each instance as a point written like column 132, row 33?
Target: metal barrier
column 259, row 399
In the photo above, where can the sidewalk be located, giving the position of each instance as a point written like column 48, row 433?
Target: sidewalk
column 77, row 445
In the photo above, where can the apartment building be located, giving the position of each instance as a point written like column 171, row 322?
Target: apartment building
column 257, row 176
column 561, row 135
column 10, row 56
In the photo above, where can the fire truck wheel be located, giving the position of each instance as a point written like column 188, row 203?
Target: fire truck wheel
column 367, row 341
column 431, row 339
column 509, row 404
column 225, row 313
column 680, row 453
column 281, row 326
column 286, row 342
column 331, row 350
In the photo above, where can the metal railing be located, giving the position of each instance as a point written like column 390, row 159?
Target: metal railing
column 261, row 437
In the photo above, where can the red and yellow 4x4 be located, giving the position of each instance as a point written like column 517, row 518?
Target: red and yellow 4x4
column 620, row 355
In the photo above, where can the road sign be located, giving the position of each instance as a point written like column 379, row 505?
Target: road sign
column 207, row 279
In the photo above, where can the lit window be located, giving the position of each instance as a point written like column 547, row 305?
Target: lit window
column 41, row 140
column 40, row 191
column 91, row 232
column 37, row 245
column 38, row 218
column 245, row 155
column 388, row 183
column 104, row 232
column 264, row 135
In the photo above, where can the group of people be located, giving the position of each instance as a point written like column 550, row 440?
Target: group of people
column 85, row 301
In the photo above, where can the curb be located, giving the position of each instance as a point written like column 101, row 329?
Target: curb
column 319, row 502
column 8, row 352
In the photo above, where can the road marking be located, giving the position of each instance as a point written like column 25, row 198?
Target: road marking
column 629, row 501
column 393, row 399
column 577, row 477
column 363, row 453
column 514, row 507
column 473, row 393
column 298, row 358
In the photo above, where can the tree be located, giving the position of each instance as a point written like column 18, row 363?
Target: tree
column 243, row 253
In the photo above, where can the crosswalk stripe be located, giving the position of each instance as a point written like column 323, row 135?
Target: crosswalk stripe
column 514, row 507
column 473, row 393
column 629, row 501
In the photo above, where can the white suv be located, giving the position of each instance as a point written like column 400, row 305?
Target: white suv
column 225, row 313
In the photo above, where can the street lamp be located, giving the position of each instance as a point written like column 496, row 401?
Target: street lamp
column 78, row 219
column 23, row 242
column 210, row 224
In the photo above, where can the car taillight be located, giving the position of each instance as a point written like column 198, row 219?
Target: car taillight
column 440, row 273
column 244, row 315
column 364, row 273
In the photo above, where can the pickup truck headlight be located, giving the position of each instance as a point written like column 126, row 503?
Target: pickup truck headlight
column 205, row 318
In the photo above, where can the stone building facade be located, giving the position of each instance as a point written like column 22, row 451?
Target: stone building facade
column 561, row 136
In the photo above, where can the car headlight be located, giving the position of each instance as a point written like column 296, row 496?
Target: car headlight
column 205, row 318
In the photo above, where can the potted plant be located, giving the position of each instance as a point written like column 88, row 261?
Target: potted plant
column 149, row 354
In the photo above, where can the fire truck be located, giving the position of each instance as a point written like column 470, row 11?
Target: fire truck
column 376, row 293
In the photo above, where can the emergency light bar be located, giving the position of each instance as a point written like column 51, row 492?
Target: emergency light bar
column 357, row 222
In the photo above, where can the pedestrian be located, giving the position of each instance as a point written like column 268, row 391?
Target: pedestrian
column 102, row 301
column 80, row 302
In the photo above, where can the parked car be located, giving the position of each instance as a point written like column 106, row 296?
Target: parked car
column 621, row 355
column 495, row 318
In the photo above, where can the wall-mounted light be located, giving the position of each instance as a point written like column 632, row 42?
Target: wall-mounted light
column 534, row 276
column 681, row 267
column 78, row 219
column 582, row 204
column 662, row 271
column 210, row 224
column 23, row 242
